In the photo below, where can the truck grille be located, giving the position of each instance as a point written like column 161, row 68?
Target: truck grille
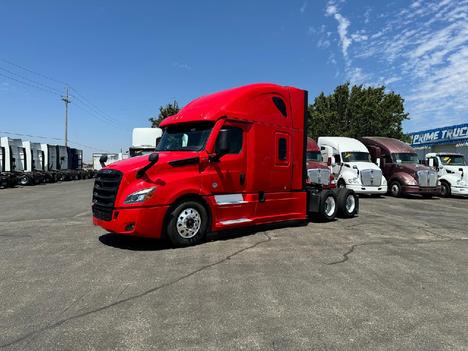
column 105, row 191
column 370, row 177
column 427, row 178
column 319, row 176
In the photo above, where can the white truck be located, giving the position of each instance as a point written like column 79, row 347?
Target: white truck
column 144, row 141
column 452, row 172
column 34, row 171
column 111, row 158
column 13, row 156
column 350, row 163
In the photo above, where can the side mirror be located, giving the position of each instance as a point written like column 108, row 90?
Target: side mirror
column 331, row 161
column 431, row 162
column 152, row 159
column 377, row 161
column 103, row 160
column 222, row 144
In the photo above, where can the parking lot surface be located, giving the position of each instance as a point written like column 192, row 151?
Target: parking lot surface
column 394, row 278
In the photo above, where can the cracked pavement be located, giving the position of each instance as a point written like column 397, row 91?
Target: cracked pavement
column 394, row 278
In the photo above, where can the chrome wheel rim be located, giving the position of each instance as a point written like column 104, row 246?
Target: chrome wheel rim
column 395, row 189
column 330, row 206
column 188, row 223
column 350, row 203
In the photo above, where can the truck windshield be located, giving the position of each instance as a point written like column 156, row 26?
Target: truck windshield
column 406, row 157
column 314, row 156
column 185, row 137
column 355, row 157
column 452, row 160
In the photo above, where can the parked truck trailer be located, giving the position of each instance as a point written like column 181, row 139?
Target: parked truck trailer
column 34, row 172
column 399, row 163
column 51, row 162
column 8, row 178
column 12, row 159
column 228, row 160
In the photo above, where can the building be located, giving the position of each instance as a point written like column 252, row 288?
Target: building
column 446, row 139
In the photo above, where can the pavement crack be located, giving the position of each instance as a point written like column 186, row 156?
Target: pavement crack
column 392, row 242
column 137, row 296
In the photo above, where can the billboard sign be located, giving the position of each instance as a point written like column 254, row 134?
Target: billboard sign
column 445, row 135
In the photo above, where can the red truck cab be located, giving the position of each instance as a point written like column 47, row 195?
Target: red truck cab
column 226, row 160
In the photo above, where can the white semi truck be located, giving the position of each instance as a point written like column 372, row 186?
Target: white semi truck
column 13, row 156
column 452, row 172
column 34, row 171
column 351, row 165
column 144, row 141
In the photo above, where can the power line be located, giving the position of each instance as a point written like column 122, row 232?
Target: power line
column 52, row 138
column 34, row 72
column 31, row 81
column 30, row 85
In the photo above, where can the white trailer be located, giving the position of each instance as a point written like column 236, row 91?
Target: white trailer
column 144, row 141
column 351, row 165
column 111, row 158
column 452, row 172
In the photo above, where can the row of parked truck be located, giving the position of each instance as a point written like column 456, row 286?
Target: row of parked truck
column 379, row 165
column 30, row 163
column 241, row 157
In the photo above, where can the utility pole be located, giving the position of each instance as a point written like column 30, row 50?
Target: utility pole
column 66, row 99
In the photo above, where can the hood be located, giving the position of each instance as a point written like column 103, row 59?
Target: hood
column 135, row 163
column 411, row 167
column 363, row 165
column 316, row 165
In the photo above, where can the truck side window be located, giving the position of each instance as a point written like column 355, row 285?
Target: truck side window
column 235, row 140
column 280, row 105
column 282, row 149
column 337, row 158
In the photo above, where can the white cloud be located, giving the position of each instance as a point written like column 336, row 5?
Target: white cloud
column 421, row 51
column 303, row 7
column 181, row 65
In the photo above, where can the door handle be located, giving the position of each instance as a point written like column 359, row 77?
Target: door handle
column 242, row 178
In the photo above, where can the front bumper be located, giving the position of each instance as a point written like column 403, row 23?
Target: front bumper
column 421, row 190
column 135, row 221
column 372, row 190
column 459, row 190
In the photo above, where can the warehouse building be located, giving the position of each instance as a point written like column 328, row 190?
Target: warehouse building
column 446, row 139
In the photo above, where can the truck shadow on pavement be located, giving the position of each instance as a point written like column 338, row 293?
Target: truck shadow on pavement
column 125, row 242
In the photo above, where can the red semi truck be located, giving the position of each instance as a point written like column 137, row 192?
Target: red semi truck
column 232, row 159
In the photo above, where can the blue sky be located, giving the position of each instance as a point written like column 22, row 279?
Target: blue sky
column 123, row 59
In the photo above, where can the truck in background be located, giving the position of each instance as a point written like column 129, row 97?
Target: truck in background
column 8, row 178
column 12, row 159
column 351, row 165
column 317, row 170
column 34, row 171
column 111, row 158
column 144, row 141
column 51, row 162
column 228, row 160
column 399, row 163
column 452, row 171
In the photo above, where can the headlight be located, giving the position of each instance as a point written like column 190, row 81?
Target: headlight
column 139, row 196
column 354, row 180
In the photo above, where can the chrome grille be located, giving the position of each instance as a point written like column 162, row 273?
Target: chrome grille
column 427, row 178
column 319, row 176
column 105, row 191
column 371, row 177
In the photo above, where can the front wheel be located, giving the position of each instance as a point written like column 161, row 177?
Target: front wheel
column 188, row 224
column 24, row 180
column 328, row 205
column 445, row 190
column 395, row 189
column 348, row 203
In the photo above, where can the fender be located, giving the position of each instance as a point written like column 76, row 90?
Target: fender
column 404, row 178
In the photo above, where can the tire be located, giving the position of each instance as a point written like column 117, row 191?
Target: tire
column 395, row 188
column 188, row 224
column 348, row 203
column 24, row 180
column 445, row 190
column 328, row 205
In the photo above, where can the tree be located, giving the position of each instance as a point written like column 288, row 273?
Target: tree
column 357, row 112
column 164, row 111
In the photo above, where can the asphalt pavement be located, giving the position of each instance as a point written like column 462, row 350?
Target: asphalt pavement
column 394, row 278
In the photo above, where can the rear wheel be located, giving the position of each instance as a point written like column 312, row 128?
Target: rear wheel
column 348, row 203
column 188, row 224
column 445, row 190
column 24, row 180
column 328, row 205
column 395, row 188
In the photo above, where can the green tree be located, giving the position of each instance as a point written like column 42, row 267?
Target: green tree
column 164, row 111
column 357, row 111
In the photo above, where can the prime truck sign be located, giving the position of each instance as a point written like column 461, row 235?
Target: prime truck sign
column 446, row 135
